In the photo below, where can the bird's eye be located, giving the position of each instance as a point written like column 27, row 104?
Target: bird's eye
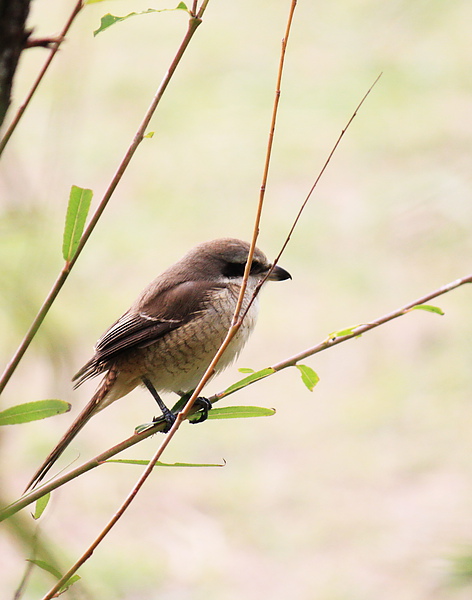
column 257, row 267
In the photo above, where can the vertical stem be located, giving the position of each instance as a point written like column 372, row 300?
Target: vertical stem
column 265, row 175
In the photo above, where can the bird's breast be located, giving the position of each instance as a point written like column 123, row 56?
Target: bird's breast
column 177, row 361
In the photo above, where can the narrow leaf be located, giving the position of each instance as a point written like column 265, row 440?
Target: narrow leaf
column 245, row 370
column 41, row 504
column 240, row 412
column 143, row 427
column 33, row 411
column 143, row 463
column 149, row 135
column 108, row 20
column 309, row 377
column 249, row 379
column 42, row 564
column 77, row 210
column 69, row 582
column 429, row 308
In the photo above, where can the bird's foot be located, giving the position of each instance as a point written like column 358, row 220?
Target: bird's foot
column 169, row 418
column 205, row 405
column 168, row 415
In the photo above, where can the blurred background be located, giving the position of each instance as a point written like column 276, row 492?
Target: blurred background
column 358, row 491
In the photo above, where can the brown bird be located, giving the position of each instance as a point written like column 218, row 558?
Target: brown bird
column 169, row 336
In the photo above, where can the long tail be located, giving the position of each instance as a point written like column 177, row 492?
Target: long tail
column 90, row 409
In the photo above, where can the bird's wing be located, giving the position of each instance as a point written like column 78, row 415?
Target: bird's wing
column 153, row 317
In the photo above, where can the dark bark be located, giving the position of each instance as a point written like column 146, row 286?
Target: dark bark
column 13, row 37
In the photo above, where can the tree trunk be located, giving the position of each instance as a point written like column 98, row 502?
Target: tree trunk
column 13, row 36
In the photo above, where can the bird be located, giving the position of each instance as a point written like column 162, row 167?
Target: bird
column 168, row 337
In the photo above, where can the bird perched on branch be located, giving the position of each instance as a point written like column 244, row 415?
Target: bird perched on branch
column 169, row 336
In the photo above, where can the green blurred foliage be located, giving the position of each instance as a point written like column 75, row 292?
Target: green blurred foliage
column 359, row 490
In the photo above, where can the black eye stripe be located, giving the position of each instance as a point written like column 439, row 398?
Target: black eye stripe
column 233, row 269
column 237, row 269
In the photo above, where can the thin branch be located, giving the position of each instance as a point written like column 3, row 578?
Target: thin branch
column 308, row 196
column 354, row 332
column 194, row 22
column 331, row 341
column 237, row 318
column 324, row 167
column 45, row 42
column 20, row 590
column 54, row 44
column 57, row 482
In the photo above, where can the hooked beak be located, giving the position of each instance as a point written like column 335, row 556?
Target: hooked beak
column 279, row 274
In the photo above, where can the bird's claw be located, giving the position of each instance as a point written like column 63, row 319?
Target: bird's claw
column 169, row 419
column 205, row 405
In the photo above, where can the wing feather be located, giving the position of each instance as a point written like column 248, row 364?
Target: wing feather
column 147, row 321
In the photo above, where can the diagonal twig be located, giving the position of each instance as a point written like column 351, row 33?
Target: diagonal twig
column 194, row 22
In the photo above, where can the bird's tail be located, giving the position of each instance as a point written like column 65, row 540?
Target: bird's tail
column 90, row 409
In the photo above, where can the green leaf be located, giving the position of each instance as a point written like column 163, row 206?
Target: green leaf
column 69, row 582
column 77, row 210
column 160, row 464
column 240, row 412
column 149, row 135
column 108, row 20
column 245, row 370
column 429, row 308
column 228, row 412
column 309, row 377
column 33, row 411
column 53, row 571
column 249, row 379
column 42, row 564
column 41, row 504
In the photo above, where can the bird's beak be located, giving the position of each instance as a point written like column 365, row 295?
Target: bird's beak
column 279, row 274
